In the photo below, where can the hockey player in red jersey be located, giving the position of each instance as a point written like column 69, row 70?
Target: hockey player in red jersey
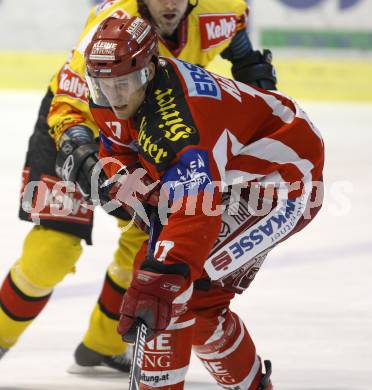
column 240, row 170
column 195, row 31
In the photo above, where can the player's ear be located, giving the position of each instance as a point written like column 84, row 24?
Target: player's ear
column 151, row 68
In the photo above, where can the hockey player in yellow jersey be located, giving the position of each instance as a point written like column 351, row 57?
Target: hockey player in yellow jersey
column 195, row 31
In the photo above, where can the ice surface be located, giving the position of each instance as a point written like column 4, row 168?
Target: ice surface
column 309, row 309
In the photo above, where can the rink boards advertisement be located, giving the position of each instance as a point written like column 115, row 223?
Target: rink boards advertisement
column 333, row 24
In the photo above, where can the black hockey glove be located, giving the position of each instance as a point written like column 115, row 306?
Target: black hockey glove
column 76, row 159
column 255, row 68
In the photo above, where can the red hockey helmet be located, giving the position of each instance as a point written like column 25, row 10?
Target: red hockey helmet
column 121, row 46
column 120, row 50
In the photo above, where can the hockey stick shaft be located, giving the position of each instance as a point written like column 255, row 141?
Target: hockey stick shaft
column 139, row 351
column 139, row 346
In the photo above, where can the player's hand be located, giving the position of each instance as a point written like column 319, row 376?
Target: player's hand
column 150, row 298
column 136, row 192
column 256, row 68
column 134, row 181
column 76, row 158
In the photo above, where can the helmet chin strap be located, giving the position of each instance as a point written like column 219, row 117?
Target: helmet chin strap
column 192, row 4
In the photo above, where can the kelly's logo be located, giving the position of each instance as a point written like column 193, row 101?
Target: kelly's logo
column 173, row 124
column 215, row 29
column 72, row 84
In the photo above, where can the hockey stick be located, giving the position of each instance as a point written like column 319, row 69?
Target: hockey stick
column 141, row 333
column 139, row 351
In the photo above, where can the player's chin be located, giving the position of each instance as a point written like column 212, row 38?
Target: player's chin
column 168, row 27
column 122, row 112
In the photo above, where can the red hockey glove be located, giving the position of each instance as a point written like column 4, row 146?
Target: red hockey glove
column 135, row 181
column 135, row 191
column 150, row 297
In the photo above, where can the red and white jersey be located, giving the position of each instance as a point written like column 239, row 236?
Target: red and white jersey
column 196, row 128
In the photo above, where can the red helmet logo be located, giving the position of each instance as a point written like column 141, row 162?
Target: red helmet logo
column 121, row 46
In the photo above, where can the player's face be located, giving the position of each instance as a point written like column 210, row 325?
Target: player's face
column 127, row 110
column 167, row 14
column 121, row 95
column 124, row 94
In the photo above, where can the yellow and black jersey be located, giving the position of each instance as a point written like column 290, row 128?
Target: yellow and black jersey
column 203, row 34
